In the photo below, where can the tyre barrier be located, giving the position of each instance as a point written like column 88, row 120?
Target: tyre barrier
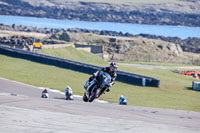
column 125, row 77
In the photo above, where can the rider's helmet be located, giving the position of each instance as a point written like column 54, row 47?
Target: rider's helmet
column 45, row 91
column 121, row 96
column 113, row 66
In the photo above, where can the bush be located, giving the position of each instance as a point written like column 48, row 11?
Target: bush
column 61, row 36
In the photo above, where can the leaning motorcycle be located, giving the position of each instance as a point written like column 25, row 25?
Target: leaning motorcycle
column 97, row 86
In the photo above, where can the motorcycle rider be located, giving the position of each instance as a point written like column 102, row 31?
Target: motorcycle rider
column 68, row 93
column 122, row 100
column 45, row 93
column 111, row 70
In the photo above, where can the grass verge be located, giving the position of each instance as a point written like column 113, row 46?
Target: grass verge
column 76, row 55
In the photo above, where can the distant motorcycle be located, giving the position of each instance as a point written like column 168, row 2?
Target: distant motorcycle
column 69, row 96
column 45, row 95
column 97, row 86
column 69, row 93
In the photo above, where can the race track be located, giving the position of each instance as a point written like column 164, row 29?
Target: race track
column 23, row 111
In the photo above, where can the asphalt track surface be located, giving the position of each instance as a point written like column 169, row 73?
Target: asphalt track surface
column 23, row 111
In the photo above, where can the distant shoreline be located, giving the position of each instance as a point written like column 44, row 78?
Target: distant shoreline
column 103, row 12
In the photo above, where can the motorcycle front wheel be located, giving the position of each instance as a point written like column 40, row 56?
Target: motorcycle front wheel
column 93, row 95
column 85, row 99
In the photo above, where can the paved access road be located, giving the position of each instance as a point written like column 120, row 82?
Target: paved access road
column 160, row 67
column 23, row 111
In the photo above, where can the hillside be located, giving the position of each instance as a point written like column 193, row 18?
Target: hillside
column 133, row 48
column 137, row 49
column 162, row 12
column 188, row 45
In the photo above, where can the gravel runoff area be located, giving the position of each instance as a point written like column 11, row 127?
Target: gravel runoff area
column 22, row 110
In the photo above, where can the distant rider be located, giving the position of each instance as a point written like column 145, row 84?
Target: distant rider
column 68, row 93
column 122, row 100
column 45, row 93
column 111, row 70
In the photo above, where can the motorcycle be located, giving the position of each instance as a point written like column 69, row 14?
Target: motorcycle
column 97, row 86
column 69, row 96
column 45, row 95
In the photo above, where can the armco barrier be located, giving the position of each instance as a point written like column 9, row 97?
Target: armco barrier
column 125, row 77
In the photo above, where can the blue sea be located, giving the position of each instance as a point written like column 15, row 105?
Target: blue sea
column 163, row 30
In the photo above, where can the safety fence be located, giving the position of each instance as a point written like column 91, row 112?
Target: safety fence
column 125, row 77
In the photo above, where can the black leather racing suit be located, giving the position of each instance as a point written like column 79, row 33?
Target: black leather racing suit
column 112, row 74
